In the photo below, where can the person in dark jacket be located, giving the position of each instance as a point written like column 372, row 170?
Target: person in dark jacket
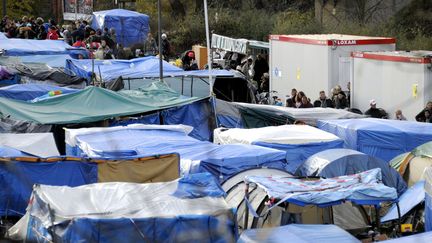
column 375, row 112
column 339, row 98
column 323, row 101
column 305, row 103
column 421, row 116
column 166, row 47
column 290, row 102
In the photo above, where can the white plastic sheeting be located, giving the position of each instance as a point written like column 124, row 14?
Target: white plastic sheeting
column 71, row 134
column 37, row 144
column 286, row 134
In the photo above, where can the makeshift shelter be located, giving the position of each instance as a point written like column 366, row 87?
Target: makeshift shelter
column 361, row 189
column 380, row 138
column 130, row 27
column 243, row 115
column 157, row 212
column 223, row 161
column 339, row 162
column 412, row 165
column 27, row 47
column 299, row 233
column 27, row 92
column 299, row 141
column 93, row 104
column 18, row 175
column 34, row 144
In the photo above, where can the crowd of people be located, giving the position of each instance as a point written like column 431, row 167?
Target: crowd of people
column 101, row 43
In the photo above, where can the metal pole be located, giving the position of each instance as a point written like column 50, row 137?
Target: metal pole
column 208, row 47
column 160, row 41
column 4, row 8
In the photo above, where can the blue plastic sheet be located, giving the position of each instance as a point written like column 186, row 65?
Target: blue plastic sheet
column 17, row 180
column 407, row 201
column 229, row 121
column 338, row 162
column 145, row 67
column 11, row 152
column 222, row 161
column 361, row 188
column 380, row 138
column 199, row 185
column 298, row 233
column 196, row 115
column 298, row 153
column 50, row 60
column 27, row 47
column 148, row 119
column 31, row 91
column 131, row 27
column 417, row 238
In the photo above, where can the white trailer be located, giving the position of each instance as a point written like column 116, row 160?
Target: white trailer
column 312, row 63
column 396, row 80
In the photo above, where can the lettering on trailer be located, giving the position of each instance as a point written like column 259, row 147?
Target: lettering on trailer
column 344, row 42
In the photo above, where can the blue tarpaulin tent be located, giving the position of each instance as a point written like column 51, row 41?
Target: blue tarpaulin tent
column 428, row 199
column 145, row 67
column 131, row 27
column 298, row 233
column 26, row 47
column 130, row 212
column 380, row 138
column 223, row 161
column 338, row 162
column 299, row 142
column 31, row 91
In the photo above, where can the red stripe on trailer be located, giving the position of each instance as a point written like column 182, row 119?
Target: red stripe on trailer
column 377, row 41
column 383, row 57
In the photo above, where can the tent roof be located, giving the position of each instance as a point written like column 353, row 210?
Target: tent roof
column 299, row 233
column 94, row 104
column 36, row 144
column 145, row 67
column 379, row 137
column 25, row 47
column 31, row 91
column 338, row 162
column 361, row 188
column 118, row 12
column 220, row 160
column 286, row 134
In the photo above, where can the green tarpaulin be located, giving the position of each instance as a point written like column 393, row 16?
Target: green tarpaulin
column 94, row 104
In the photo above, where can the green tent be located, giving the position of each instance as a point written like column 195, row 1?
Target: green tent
column 94, row 104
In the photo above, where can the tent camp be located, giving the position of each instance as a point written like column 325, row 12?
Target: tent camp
column 380, row 138
column 34, row 144
column 339, row 162
column 27, row 92
column 412, row 165
column 129, row 212
column 18, row 175
column 27, row 47
column 131, row 27
column 243, row 115
column 223, row 161
column 299, row 233
column 299, row 142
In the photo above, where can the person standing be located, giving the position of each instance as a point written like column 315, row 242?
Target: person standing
column 375, row 112
column 260, row 67
column 150, row 47
column 52, row 33
column 166, row 47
